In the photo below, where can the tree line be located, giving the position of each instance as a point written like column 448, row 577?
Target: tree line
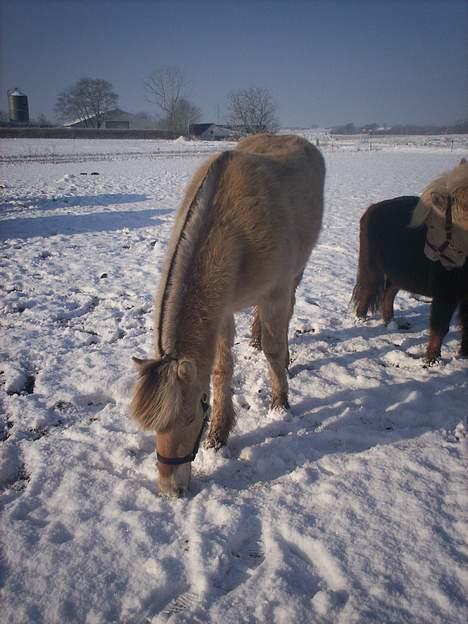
column 252, row 109
column 375, row 129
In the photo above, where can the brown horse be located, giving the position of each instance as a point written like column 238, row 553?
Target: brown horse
column 242, row 237
column 392, row 258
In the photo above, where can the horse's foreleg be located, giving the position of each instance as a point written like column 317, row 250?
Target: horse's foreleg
column 441, row 314
column 256, row 339
column 275, row 317
column 223, row 415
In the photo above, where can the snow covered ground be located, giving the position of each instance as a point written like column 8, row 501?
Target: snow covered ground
column 353, row 510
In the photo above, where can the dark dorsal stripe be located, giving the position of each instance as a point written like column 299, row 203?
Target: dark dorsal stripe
column 171, row 269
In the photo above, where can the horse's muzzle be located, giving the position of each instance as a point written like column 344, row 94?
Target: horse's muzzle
column 174, row 481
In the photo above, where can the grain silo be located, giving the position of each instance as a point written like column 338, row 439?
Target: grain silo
column 18, row 109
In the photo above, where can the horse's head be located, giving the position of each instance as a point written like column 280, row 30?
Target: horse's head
column 170, row 399
column 454, row 195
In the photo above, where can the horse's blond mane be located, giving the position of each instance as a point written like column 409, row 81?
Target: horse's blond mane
column 191, row 223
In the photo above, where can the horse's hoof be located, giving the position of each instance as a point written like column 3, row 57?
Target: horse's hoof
column 403, row 325
column 430, row 361
column 280, row 414
column 279, row 405
column 213, row 442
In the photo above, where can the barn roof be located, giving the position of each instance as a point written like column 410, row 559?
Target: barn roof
column 199, row 128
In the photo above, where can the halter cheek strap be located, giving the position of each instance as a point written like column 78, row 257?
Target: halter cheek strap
column 448, row 235
column 177, row 461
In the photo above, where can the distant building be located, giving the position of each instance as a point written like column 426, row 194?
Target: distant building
column 213, row 132
column 18, row 108
column 115, row 119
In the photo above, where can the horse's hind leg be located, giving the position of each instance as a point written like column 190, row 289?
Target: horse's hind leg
column 256, row 330
column 256, row 339
column 388, row 300
column 223, row 415
column 274, row 318
column 367, row 295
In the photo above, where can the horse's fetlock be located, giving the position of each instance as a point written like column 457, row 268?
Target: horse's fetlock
column 432, row 358
column 215, row 440
column 280, row 402
column 256, row 343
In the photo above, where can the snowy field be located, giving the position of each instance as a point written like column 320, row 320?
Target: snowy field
column 353, row 510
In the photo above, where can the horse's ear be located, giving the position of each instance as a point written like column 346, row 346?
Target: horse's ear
column 187, row 371
column 440, row 200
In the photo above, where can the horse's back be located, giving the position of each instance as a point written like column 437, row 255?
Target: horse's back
column 283, row 147
column 286, row 170
column 270, row 201
column 277, row 185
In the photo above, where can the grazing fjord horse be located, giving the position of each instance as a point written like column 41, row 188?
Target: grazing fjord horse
column 418, row 245
column 242, row 237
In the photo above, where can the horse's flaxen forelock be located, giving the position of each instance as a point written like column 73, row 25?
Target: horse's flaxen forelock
column 157, row 399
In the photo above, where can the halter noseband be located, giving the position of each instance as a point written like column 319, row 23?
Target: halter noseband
column 177, row 461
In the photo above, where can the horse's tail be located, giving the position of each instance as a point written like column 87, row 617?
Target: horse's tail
column 370, row 280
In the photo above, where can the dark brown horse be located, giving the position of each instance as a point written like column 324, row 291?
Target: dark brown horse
column 391, row 258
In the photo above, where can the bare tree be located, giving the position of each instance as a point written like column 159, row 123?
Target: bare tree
column 87, row 100
column 253, row 109
column 165, row 88
column 185, row 114
column 42, row 121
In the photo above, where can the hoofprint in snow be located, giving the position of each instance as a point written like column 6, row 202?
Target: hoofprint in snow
column 352, row 509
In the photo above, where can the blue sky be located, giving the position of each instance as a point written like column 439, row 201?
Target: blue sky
column 324, row 62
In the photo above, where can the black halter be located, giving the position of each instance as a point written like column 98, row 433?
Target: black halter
column 448, row 233
column 177, row 461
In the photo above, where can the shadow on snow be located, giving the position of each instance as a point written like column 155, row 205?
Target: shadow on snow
column 71, row 224
column 44, row 203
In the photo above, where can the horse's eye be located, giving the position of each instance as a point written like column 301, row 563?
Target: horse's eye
column 204, row 398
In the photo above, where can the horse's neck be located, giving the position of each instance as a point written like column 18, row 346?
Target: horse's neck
column 208, row 286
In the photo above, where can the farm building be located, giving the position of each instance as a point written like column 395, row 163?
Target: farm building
column 212, row 132
column 115, row 119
